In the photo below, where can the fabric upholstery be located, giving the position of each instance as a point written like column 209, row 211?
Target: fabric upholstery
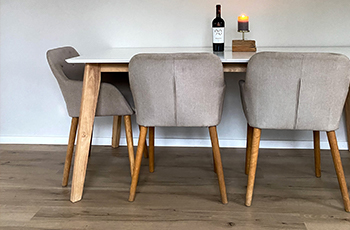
column 177, row 89
column 69, row 77
column 305, row 91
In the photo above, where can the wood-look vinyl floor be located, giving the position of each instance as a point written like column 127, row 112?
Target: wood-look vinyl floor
column 182, row 193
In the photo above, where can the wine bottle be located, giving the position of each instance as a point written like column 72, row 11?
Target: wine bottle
column 218, row 26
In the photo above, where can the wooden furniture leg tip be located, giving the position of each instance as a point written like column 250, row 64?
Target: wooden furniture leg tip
column 74, row 200
column 248, row 201
column 346, row 205
column 131, row 198
column 224, row 201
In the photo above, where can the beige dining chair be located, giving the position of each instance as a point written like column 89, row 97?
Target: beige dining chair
column 177, row 90
column 295, row 91
column 111, row 101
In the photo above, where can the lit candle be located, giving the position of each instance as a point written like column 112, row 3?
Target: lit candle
column 243, row 23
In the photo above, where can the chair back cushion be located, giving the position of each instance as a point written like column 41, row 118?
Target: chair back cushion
column 177, row 89
column 60, row 68
column 69, row 76
column 295, row 90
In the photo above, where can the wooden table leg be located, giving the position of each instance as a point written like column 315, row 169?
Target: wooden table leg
column 91, row 88
column 347, row 118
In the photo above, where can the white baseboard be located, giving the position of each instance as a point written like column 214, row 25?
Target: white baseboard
column 176, row 142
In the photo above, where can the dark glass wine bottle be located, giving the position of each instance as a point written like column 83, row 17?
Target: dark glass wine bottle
column 218, row 26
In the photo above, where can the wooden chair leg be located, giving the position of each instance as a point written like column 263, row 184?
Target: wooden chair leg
column 151, row 149
column 248, row 148
column 332, row 139
column 252, row 165
column 214, row 162
column 317, row 153
column 135, row 176
column 218, row 163
column 117, row 121
column 145, row 149
column 70, row 148
column 129, row 141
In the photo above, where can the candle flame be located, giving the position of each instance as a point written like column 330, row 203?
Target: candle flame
column 243, row 17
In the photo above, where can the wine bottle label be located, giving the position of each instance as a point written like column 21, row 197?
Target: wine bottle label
column 218, row 34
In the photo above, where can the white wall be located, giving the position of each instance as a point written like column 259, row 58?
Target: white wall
column 32, row 109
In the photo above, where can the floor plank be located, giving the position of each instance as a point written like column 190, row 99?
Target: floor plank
column 182, row 193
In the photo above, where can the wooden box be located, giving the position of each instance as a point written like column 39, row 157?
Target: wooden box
column 243, row 46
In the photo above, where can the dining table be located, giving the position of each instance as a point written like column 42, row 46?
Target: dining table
column 117, row 60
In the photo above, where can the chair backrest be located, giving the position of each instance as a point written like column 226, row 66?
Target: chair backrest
column 296, row 90
column 69, row 76
column 177, row 89
column 60, row 68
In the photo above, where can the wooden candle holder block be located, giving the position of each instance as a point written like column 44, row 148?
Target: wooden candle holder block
column 243, row 46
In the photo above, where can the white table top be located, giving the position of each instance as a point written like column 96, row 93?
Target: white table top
column 123, row 55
